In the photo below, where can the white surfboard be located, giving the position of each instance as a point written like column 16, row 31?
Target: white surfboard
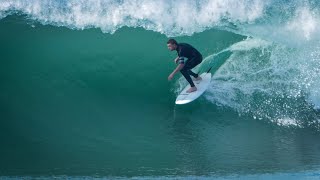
column 201, row 85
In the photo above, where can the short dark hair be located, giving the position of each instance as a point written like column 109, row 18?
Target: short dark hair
column 172, row 41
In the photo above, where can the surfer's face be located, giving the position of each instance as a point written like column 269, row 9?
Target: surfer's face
column 172, row 47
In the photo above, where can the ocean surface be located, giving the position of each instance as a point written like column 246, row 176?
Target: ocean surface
column 84, row 91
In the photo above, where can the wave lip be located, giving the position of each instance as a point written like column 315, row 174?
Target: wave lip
column 281, row 21
column 290, row 22
column 166, row 16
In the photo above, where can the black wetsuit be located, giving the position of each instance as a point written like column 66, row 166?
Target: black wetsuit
column 190, row 57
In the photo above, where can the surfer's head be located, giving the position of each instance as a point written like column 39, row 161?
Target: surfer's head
column 172, row 44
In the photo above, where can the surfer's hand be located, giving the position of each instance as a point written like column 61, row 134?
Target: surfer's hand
column 170, row 77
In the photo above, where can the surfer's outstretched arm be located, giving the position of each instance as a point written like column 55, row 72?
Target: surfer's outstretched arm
column 178, row 68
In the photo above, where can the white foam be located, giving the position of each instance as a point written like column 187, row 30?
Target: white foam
column 287, row 122
column 179, row 17
column 304, row 23
column 172, row 17
column 268, row 80
column 295, row 28
column 286, row 22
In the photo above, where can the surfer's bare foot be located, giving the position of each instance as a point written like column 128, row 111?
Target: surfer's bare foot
column 192, row 89
column 198, row 78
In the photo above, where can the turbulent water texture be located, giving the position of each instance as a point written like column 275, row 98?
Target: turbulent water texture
column 271, row 19
column 77, row 97
column 170, row 17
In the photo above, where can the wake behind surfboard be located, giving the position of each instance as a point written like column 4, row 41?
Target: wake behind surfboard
column 184, row 97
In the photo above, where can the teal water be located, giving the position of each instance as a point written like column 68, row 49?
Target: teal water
column 77, row 102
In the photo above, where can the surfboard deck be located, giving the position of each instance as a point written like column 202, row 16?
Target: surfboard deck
column 184, row 97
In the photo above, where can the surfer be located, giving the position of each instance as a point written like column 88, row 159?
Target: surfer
column 188, row 58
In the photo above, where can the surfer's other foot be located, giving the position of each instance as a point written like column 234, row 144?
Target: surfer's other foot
column 192, row 89
column 198, row 78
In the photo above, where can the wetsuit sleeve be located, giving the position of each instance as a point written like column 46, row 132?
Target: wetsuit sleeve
column 183, row 55
column 182, row 60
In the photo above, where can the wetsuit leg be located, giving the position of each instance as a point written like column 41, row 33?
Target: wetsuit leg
column 185, row 73
column 193, row 74
column 186, row 70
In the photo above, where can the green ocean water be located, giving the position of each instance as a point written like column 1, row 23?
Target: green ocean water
column 82, row 103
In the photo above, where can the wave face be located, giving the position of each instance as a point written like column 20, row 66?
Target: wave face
column 280, row 62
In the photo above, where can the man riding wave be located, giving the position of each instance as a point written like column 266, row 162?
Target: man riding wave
column 188, row 58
